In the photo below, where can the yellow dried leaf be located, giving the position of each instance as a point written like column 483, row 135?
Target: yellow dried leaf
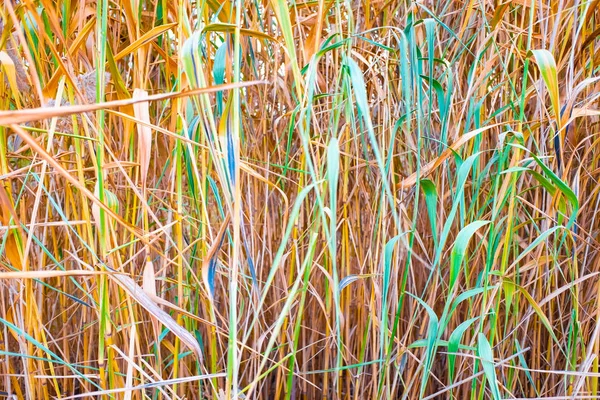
column 8, row 67
column 13, row 247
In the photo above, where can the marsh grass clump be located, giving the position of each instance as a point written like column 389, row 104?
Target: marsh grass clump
column 299, row 200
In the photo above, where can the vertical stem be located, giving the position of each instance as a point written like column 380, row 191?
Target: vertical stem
column 232, row 359
column 104, row 331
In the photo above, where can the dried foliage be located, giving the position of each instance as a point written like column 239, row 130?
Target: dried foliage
column 299, row 200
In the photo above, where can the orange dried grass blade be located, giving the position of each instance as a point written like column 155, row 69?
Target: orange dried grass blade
column 230, row 28
column 10, row 71
column 144, row 39
column 499, row 14
column 14, row 241
column 48, row 274
column 225, row 7
column 35, row 114
column 51, row 86
column 313, row 41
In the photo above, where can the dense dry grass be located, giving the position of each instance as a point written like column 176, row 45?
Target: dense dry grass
column 386, row 199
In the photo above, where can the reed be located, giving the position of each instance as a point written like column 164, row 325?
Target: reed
column 299, row 200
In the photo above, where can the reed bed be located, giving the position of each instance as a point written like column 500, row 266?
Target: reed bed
column 320, row 199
